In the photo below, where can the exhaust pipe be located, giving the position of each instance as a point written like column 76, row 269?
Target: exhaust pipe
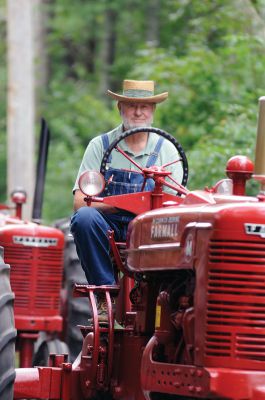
column 259, row 171
column 41, row 171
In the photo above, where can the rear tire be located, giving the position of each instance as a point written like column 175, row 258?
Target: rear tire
column 7, row 333
column 53, row 346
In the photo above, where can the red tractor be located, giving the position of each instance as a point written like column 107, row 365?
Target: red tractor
column 189, row 294
column 35, row 253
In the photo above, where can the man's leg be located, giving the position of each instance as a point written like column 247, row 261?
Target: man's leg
column 89, row 229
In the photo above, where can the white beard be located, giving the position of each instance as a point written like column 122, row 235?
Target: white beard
column 132, row 124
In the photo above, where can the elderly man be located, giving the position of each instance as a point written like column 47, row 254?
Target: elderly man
column 89, row 225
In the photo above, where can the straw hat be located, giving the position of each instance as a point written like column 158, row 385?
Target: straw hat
column 138, row 91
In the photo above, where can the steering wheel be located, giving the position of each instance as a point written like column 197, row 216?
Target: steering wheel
column 160, row 132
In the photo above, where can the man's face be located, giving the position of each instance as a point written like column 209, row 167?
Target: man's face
column 135, row 115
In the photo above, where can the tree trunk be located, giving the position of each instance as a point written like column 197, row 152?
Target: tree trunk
column 21, row 99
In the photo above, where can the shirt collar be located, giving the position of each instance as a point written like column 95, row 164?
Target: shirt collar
column 148, row 148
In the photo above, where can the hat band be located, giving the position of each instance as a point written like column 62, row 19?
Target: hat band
column 138, row 93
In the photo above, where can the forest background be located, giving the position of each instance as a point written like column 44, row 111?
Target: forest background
column 208, row 54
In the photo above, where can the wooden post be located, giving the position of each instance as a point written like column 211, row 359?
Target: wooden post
column 21, row 100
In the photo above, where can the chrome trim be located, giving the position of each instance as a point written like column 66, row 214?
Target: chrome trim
column 35, row 241
column 163, row 246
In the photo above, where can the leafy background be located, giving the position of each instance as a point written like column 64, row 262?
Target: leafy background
column 209, row 55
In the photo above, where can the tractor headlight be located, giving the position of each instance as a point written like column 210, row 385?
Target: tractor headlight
column 91, row 183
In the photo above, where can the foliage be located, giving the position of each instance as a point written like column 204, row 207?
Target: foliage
column 213, row 104
column 209, row 55
column 70, row 134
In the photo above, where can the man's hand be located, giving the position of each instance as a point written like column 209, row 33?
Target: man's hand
column 80, row 202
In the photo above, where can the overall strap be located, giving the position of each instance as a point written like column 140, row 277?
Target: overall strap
column 105, row 141
column 153, row 156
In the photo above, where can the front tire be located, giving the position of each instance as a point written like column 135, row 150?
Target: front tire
column 7, row 333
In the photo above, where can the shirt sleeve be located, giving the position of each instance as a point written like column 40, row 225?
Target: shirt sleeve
column 91, row 159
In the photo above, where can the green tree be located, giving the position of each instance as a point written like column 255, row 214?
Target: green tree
column 209, row 55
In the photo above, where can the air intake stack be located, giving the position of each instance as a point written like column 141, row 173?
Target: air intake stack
column 259, row 172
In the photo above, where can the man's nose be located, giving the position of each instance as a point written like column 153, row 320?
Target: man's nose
column 137, row 110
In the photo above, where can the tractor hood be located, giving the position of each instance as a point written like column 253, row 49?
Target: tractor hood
column 174, row 237
column 29, row 234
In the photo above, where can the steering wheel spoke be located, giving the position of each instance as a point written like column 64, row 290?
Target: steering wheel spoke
column 144, row 183
column 170, row 163
column 128, row 157
column 181, row 188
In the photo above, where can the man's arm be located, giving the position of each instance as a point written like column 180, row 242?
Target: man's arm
column 79, row 202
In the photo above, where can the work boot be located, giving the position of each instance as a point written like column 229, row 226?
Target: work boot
column 103, row 312
column 117, row 325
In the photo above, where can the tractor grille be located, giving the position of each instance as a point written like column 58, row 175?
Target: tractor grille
column 237, row 252
column 236, row 300
column 36, row 276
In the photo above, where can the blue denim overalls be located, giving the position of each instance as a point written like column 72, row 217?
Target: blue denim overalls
column 90, row 226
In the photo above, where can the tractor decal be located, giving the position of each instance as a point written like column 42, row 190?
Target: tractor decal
column 255, row 229
column 164, row 228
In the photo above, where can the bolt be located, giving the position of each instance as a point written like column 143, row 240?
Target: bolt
column 118, row 391
column 176, row 384
column 199, row 373
column 191, row 388
column 67, row 366
column 198, row 389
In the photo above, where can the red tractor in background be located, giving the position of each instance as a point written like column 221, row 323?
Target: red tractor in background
column 36, row 255
column 189, row 294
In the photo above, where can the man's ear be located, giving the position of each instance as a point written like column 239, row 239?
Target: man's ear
column 119, row 106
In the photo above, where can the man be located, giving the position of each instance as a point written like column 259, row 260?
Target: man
column 89, row 225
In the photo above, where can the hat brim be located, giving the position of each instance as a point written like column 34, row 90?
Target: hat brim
column 158, row 98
